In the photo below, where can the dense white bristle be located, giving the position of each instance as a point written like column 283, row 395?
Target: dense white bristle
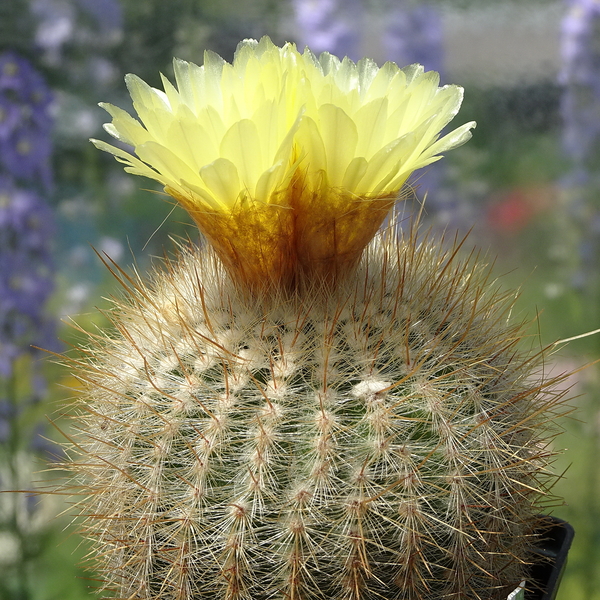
column 383, row 439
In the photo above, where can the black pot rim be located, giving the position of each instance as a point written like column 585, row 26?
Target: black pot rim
column 554, row 541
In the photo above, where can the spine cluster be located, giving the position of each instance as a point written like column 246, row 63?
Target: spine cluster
column 386, row 439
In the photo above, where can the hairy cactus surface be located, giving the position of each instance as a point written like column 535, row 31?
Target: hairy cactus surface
column 381, row 440
column 298, row 411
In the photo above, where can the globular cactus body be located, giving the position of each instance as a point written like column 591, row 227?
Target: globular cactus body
column 286, row 415
column 382, row 439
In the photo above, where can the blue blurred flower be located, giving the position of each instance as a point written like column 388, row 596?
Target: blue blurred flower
column 414, row 34
column 25, row 120
column 580, row 108
column 580, row 76
column 10, row 115
column 26, row 272
column 7, row 414
column 59, row 25
column 56, row 26
column 329, row 26
column 26, row 153
column 108, row 14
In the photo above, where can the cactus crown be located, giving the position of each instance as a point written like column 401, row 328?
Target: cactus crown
column 287, row 414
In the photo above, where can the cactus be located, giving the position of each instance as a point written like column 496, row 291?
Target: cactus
column 340, row 426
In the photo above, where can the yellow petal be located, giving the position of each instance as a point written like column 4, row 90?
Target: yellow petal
column 339, row 138
column 384, row 164
column 389, row 77
column 241, row 145
column 453, row 139
column 145, row 98
column 311, row 147
column 134, row 165
column 270, row 123
column 269, row 182
column 212, row 121
column 346, row 76
column 371, row 121
column 166, row 162
column 192, row 143
column 124, row 127
column 222, row 179
column 354, row 173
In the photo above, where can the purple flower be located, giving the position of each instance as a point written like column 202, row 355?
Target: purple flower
column 26, row 272
column 107, row 14
column 24, row 290
column 329, row 26
column 25, row 215
column 26, row 277
column 580, row 109
column 7, row 414
column 23, row 83
column 26, row 153
column 580, row 76
column 13, row 71
column 56, row 26
column 25, row 120
column 414, row 34
column 10, row 115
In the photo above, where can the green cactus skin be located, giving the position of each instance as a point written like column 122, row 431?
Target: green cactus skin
column 388, row 439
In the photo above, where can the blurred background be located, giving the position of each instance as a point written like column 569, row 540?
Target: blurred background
column 527, row 186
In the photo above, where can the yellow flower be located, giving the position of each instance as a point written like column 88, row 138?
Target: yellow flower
column 287, row 162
